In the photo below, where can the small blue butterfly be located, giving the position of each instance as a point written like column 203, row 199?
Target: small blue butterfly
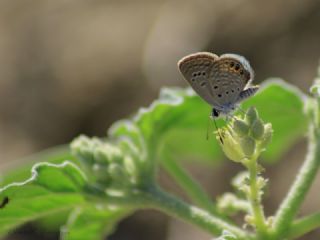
column 223, row 81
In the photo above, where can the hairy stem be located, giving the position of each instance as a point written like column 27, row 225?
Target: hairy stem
column 255, row 199
column 153, row 197
column 304, row 225
column 172, row 206
column 292, row 202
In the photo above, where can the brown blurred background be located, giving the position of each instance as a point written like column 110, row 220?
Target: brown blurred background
column 74, row 66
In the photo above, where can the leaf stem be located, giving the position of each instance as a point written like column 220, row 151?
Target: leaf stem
column 154, row 197
column 158, row 199
column 304, row 225
column 292, row 202
column 191, row 187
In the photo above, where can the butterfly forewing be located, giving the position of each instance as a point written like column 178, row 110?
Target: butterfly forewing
column 196, row 70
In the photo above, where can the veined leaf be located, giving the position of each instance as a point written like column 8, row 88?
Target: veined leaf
column 50, row 189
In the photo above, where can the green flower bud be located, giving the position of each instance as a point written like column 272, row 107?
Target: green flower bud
column 225, row 202
column 248, row 145
column 108, row 152
column 83, row 148
column 231, row 147
column 240, row 127
column 270, row 221
column 251, row 115
column 117, row 173
column 131, row 168
column 260, row 168
column 245, row 189
column 249, row 219
column 101, row 173
column 267, row 136
column 230, row 204
column 101, row 155
column 257, row 129
column 240, row 179
column 244, row 139
column 261, row 182
column 315, row 89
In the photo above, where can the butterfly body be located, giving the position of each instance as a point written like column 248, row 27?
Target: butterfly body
column 223, row 81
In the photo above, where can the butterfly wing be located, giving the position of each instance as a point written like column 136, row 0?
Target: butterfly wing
column 229, row 76
column 196, row 69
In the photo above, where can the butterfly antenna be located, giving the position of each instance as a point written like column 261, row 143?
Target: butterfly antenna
column 208, row 124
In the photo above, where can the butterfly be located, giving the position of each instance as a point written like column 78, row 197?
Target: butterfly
column 223, row 82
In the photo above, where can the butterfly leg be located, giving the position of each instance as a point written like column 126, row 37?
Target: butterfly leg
column 215, row 114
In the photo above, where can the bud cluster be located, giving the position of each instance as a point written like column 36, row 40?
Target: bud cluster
column 245, row 138
column 107, row 164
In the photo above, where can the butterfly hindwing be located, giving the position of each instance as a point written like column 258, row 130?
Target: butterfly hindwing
column 229, row 76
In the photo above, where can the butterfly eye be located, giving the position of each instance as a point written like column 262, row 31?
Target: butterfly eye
column 237, row 67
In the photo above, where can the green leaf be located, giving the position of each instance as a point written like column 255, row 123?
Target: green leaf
column 177, row 121
column 91, row 222
column 50, row 189
column 20, row 170
column 283, row 105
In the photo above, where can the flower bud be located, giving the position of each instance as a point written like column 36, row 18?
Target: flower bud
column 267, row 136
column 225, row 202
column 231, row 147
column 82, row 147
column 261, row 182
column 249, row 219
column 270, row 221
column 251, row 115
column 117, row 173
column 248, row 145
column 240, row 127
column 245, row 189
column 257, row 129
column 101, row 173
column 131, row 168
column 240, row 179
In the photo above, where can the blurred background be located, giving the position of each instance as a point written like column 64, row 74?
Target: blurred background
column 75, row 66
